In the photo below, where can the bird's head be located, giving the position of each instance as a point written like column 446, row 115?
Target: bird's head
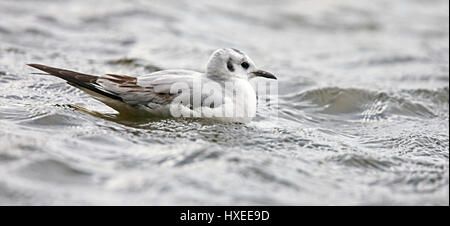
column 225, row 64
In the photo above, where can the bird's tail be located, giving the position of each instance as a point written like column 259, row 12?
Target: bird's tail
column 83, row 81
column 77, row 78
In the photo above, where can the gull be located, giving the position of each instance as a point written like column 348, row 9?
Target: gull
column 223, row 92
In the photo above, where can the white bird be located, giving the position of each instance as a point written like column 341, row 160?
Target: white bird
column 223, row 92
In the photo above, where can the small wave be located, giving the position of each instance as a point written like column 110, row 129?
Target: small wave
column 387, row 60
column 52, row 170
column 439, row 96
column 361, row 161
column 198, row 155
column 4, row 30
column 420, row 144
column 6, row 77
column 127, row 13
column 32, row 31
column 52, row 120
column 365, row 105
column 266, row 176
column 134, row 62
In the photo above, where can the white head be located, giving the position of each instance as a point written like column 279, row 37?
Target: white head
column 225, row 64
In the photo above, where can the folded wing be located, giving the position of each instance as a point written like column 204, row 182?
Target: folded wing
column 122, row 92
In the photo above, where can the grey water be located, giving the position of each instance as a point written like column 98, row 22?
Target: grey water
column 362, row 119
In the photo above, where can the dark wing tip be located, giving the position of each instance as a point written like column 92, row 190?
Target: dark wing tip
column 46, row 68
column 50, row 70
column 38, row 66
column 76, row 79
column 53, row 70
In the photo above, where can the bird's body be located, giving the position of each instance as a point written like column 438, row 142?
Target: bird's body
column 223, row 92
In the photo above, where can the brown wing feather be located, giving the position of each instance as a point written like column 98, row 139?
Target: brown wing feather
column 123, row 81
column 124, row 78
column 77, row 79
column 122, row 90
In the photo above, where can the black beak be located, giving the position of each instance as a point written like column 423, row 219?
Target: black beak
column 265, row 74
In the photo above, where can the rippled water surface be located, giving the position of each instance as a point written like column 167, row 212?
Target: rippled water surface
column 363, row 102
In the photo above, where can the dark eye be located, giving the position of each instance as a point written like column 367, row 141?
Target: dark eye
column 245, row 65
column 230, row 66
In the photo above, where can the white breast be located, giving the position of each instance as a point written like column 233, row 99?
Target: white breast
column 244, row 101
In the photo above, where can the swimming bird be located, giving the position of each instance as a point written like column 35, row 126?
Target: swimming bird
column 222, row 92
